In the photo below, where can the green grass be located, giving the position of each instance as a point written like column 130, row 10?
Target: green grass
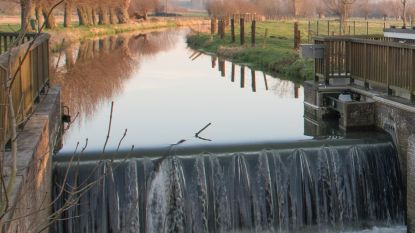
column 275, row 53
column 9, row 27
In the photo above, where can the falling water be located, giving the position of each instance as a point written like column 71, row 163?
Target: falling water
column 325, row 189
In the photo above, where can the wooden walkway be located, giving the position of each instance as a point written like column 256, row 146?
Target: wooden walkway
column 371, row 59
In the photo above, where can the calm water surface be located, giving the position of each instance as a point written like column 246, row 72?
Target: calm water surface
column 168, row 93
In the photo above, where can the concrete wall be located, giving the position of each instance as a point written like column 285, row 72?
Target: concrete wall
column 400, row 123
column 31, row 197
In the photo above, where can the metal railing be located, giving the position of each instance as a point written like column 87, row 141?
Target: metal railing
column 25, row 69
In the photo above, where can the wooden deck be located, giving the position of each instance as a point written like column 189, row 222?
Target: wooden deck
column 372, row 59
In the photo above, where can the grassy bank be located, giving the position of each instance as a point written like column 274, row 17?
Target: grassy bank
column 274, row 53
column 77, row 33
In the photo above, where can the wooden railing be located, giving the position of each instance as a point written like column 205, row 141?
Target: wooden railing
column 371, row 59
column 7, row 39
column 26, row 70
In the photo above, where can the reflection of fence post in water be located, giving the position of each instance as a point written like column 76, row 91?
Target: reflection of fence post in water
column 222, row 67
column 296, row 91
column 233, row 73
column 242, row 76
column 265, row 81
column 242, row 30
column 213, row 58
column 253, row 80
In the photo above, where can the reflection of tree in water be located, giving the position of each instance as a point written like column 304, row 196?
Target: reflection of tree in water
column 94, row 71
column 282, row 88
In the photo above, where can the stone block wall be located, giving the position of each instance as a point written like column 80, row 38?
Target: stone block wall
column 31, row 199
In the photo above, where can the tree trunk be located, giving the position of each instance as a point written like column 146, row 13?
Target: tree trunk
column 83, row 16
column 49, row 18
column 94, row 16
column 90, row 16
column 39, row 16
column 26, row 7
column 122, row 15
column 404, row 14
column 104, row 17
column 113, row 16
column 68, row 14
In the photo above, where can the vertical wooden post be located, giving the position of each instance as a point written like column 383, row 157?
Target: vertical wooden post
column 296, row 42
column 212, row 26
column 265, row 38
column 328, row 27
column 253, row 80
column 340, row 28
column 384, row 22
column 222, row 29
column 233, row 29
column 318, row 26
column 242, row 30
column 253, row 33
column 367, row 27
column 242, row 76
column 309, row 32
column 354, row 27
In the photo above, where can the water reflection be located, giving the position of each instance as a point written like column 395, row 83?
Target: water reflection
column 164, row 92
column 281, row 88
column 93, row 72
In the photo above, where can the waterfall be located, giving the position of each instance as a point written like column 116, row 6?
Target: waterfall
column 326, row 189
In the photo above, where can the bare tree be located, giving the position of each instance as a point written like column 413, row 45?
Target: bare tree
column 404, row 5
column 341, row 8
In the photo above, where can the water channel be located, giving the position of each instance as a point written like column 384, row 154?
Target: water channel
column 217, row 147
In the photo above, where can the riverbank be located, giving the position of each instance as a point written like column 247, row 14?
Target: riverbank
column 276, row 55
column 77, row 33
column 273, row 53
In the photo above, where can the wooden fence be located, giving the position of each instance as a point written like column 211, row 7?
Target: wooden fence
column 371, row 59
column 29, row 65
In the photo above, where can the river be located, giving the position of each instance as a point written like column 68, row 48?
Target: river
column 164, row 93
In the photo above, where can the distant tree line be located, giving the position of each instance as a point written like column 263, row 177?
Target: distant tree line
column 343, row 9
column 88, row 12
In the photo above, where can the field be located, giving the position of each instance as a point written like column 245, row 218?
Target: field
column 274, row 52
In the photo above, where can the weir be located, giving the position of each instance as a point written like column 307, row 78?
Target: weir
column 321, row 186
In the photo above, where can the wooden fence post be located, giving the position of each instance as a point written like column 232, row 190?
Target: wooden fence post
column 222, row 29
column 318, row 24
column 367, row 27
column 265, row 38
column 212, row 25
column 309, row 31
column 328, row 27
column 242, row 30
column 297, row 36
column 253, row 33
column 233, row 29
